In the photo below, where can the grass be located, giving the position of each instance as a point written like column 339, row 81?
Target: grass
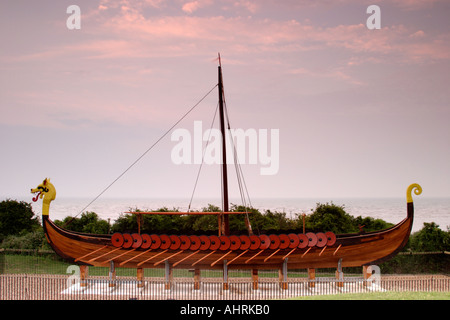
column 407, row 295
column 51, row 264
column 33, row 264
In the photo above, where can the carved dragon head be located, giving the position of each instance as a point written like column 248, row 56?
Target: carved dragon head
column 47, row 191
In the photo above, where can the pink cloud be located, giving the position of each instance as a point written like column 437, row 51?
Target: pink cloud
column 120, row 31
column 251, row 6
column 192, row 6
column 415, row 4
column 337, row 73
column 132, row 34
column 262, row 35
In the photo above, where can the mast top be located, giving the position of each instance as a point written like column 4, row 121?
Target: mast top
column 220, row 62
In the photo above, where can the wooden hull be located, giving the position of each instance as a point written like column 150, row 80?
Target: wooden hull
column 351, row 249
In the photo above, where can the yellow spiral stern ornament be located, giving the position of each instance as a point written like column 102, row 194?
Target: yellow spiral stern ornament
column 417, row 190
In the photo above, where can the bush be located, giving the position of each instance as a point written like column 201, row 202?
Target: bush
column 150, row 223
column 417, row 264
column 32, row 240
column 21, row 229
column 371, row 224
column 325, row 217
column 430, row 238
column 330, row 217
column 17, row 218
column 89, row 222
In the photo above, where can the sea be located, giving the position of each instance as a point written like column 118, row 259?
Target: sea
column 392, row 210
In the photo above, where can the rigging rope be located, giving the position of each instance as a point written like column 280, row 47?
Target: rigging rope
column 203, row 158
column 239, row 174
column 143, row 155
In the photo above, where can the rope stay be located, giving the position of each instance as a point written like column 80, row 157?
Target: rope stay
column 203, row 158
column 239, row 174
column 145, row 153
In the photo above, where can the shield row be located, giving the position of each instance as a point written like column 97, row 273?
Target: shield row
column 233, row 242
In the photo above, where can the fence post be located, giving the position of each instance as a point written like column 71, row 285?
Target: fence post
column 2, row 261
column 367, row 275
column 197, row 279
column 340, row 274
column 225, row 275
column 282, row 275
column 255, row 279
column 168, row 275
column 140, row 277
column 112, row 275
column 84, row 271
column 311, row 277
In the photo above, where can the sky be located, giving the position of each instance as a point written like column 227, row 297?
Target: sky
column 360, row 112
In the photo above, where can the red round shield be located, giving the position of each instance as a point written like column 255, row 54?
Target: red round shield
column 255, row 242
column 331, row 238
column 274, row 242
column 204, row 242
column 146, row 241
column 127, row 240
column 312, row 239
column 195, row 242
column 245, row 242
column 284, row 241
column 235, row 242
column 215, row 242
column 175, row 242
column 185, row 242
column 137, row 240
column 293, row 240
column 303, row 241
column 156, row 241
column 265, row 241
column 224, row 243
column 321, row 239
column 117, row 239
column 165, row 242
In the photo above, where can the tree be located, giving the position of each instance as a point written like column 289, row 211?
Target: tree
column 201, row 223
column 330, row 217
column 371, row 224
column 150, row 223
column 31, row 240
column 93, row 224
column 17, row 218
column 125, row 223
column 89, row 222
column 430, row 238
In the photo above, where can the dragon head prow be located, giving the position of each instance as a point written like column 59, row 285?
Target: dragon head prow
column 47, row 191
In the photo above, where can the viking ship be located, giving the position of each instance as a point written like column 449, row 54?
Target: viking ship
column 225, row 250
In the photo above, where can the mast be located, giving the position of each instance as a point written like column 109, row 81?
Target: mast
column 224, row 225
